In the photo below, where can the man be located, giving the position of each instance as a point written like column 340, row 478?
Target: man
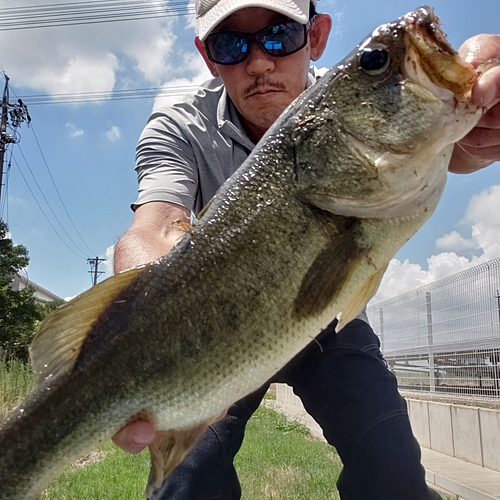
column 186, row 152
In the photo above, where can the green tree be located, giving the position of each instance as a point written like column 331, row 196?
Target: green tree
column 19, row 314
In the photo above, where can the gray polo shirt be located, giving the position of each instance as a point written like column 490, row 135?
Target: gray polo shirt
column 188, row 150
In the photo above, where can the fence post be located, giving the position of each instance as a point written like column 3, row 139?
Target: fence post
column 430, row 342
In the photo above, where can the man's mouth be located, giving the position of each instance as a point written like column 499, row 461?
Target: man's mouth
column 264, row 91
column 264, row 86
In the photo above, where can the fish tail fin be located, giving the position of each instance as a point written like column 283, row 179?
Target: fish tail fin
column 168, row 450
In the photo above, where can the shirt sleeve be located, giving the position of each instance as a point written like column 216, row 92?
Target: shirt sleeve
column 165, row 163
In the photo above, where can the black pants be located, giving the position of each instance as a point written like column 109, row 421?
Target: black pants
column 344, row 383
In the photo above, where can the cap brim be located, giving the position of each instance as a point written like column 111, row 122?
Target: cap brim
column 297, row 10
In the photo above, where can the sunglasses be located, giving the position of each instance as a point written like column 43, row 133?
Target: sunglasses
column 277, row 40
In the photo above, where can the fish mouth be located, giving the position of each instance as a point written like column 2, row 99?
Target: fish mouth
column 442, row 64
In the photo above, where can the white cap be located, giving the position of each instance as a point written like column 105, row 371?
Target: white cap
column 209, row 13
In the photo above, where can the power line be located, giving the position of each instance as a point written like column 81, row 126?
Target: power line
column 12, row 116
column 114, row 95
column 77, row 13
column 55, row 187
column 43, row 211
column 58, row 193
column 49, row 205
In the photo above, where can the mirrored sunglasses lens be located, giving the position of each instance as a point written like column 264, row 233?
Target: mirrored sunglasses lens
column 227, row 48
column 282, row 39
column 277, row 40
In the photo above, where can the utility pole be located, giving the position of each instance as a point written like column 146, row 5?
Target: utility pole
column 18, row 113
column 94, row 268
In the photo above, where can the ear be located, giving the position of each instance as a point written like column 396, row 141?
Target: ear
column 201, row 49
column 318, row 35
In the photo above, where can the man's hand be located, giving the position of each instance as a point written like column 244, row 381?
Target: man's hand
column 481, row 147
column 135, row 437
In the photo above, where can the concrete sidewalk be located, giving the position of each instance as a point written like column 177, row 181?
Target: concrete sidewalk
column 447, row 474
column 468, row 481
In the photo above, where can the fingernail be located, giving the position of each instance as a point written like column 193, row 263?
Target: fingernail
column 141, row 441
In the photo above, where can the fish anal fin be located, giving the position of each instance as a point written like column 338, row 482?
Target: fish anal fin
column 359, row 301
column 59, row 338
column 168, row 450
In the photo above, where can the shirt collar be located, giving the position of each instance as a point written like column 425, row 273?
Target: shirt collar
column 229, row 122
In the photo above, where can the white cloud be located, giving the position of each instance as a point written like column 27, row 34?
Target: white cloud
column 77, row 73
column 485, row 207
column 337, row 11
column 92, row 57
column 455, row 241
column 483, row 220
column 73, row 131
column 151, row 55
column 202, row 74
column 16, row 201
column 109, row 262
column 191, row 19
column 113, row 134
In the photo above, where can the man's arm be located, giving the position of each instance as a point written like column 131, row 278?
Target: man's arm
column 156, row 228
column 481, row 147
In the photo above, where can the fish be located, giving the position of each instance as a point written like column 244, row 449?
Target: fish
column 301, row 234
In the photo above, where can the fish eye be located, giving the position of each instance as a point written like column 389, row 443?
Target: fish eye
column 374, row 61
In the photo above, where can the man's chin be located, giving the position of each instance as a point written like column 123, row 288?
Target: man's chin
column 264, row 112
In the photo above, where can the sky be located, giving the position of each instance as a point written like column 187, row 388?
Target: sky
column 83, row 153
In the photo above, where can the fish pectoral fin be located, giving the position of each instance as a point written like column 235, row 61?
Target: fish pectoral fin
column 358, row 303
column 59, row 338
column 168, row 450
column 331, row 270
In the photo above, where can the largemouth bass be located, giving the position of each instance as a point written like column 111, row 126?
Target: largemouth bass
column 301, row 234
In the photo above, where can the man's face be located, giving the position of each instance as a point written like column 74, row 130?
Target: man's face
column 262, row 86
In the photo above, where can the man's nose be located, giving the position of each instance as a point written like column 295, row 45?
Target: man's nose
column 258, row 62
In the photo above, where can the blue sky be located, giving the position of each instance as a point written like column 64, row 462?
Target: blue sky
column 89, row 147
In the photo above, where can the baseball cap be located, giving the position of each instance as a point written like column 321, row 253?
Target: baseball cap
column 209, row 13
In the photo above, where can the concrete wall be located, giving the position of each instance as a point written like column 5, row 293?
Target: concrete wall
column 468, row 433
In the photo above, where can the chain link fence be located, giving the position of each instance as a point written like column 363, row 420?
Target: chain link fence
column 442, row 340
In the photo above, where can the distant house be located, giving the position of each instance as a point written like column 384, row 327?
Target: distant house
column 42, row 296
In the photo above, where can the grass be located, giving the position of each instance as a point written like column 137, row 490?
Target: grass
column 279, row 459
column 108, row 474
column 16, row 382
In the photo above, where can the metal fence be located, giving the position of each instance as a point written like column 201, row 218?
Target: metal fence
column 443, row 339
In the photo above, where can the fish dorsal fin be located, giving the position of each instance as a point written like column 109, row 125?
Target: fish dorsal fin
column 59, row 338
column 358, row 303
column 168, row 450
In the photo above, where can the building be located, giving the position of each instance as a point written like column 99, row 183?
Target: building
column 41, row 295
